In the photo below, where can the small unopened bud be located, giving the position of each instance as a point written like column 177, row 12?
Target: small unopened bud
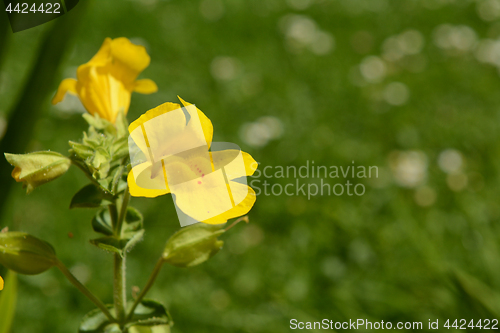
column 35, row 169
column 193, row 245
column 26, row 254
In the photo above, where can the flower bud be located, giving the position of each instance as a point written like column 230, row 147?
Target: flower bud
column 193, row 245
column 35, row 169
column 26, row 254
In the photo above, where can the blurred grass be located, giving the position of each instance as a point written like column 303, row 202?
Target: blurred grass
column 381, row 256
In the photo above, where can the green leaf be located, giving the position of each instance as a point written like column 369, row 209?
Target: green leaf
column 101, row 222
column 152, row 315
column 25, row 254
column 8, row 298
column 116, row 245
column 89, row 196
column 153, row 329
column 133, row 220
column 149, row 316
column 96, row 322
column 193, row 245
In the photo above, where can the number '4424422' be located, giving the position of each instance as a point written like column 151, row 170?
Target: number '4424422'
column 25, row 8
column 462, row 324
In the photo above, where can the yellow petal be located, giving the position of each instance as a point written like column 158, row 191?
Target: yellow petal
column 16, row 174
column 137, row 191
column 145, row 86
column 1, row 283
column 239, row 210
column 206, row 124
column 102, row 93
column 103, row 56
column 225, row 157
column 159, row 110
column 67, row 85
column 129, row 59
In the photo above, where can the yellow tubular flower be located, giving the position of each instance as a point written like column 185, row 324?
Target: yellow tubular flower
column 170, row 153
column 105, row 84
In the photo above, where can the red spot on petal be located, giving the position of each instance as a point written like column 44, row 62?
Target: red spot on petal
column 199, row 182
column 202, row 175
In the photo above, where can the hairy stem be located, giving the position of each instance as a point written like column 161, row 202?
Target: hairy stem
column 123, row 211
column 84, row 290
column 146, row 288
column 120, row 296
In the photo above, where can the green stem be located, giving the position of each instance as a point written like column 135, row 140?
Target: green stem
column 84, row 290
column 113, row 213
column 120, row 295
column 123, row 211
column 146, row 288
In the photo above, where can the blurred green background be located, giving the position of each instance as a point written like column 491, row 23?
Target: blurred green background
column 410, row 86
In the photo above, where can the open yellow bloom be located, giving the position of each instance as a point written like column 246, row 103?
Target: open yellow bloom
column 105, row 84
column 172, row 152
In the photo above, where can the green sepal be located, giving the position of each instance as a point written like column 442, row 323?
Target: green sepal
column 37, row 168
column 121, row 125
column 26, row 254
column 90, row 196
column 193, row 245
column 116, row 245
column 81, row 150
column 99, row 123
column 150, row 313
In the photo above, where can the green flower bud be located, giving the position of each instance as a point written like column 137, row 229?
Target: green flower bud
column 35, row 169
column 26, row 254
column 193, row 245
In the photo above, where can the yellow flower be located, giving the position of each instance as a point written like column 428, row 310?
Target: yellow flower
column 105, row 84
column 1, row 283
column 172, row 152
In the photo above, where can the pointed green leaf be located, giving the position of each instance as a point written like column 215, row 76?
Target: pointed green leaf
column 137, row 236
column 193, row 245
column 153, row 329
column 133, row 220
column 120, row 246
column 96, row 322
column 150, row 314
column 8, row 298
column 88, row 197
